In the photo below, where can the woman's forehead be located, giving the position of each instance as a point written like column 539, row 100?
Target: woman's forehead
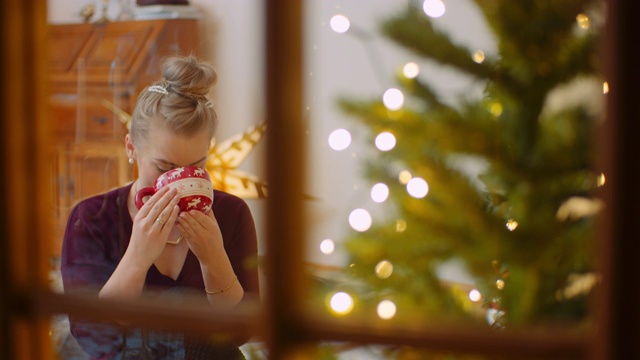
column 176, row 148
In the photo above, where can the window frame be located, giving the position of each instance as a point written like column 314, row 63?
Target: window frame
column 27, row 303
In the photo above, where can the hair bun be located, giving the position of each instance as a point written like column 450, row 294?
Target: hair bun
column 189, row 77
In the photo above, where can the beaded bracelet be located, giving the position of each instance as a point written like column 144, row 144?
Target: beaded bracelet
column 223, row 290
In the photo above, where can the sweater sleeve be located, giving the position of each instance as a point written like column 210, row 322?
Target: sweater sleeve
column 87, row 262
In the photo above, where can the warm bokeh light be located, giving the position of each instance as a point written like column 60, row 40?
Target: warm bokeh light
column 393, row 99
column 433, row 8
column 379, row 192
column 401, row 225
column 500, row 284
column 475, row 295
column 385, row 141
column 417, row 187
column 601, row 179
column 339, row 139
column 512, row 224
column 384, row 269
column 386, row 309
column 478, row 56
column 605, row 87
column 404, row 177
column 327, row 246
column 583, row 21
column 360, row 220
column 495, row 108
column 339, row 23
column 341, row 303
column 411, row 70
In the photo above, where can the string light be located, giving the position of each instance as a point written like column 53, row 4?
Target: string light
column 339, row 24
column 339, row 139
column 360, row 220
column 583, row 21
column 384, row 269
column 417, row 187
column 495, row 108
column 475, row 295
column 500, row 284
column 393, row 99
column 512, row 224
column 341, row 303
column 605, row 87
column 404, row 177
column 433, row 8
column 601, row 179
column 385, row 141
column 327, row 246
column 386, row 309
column 379, row 192
column 478, row 57
column 401, row 225
column 411, row 70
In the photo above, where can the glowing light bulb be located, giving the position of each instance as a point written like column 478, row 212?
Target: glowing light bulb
column 404, row 177
column 385, row 141
column 379, row 192
column 512, row 224
column 478, row 57
column 341, row 303
column 474, row 295
column 384, row 269
column 417, row 187
column 583, row 21
column 411, row 70
column 401, row 225
column 327, row 246
column 339, row 139
column 339, row 24
column 386, row 309
column 605, row 87
column 393, row 99
column 500, row 284
column 360, row 220
column 433, row 8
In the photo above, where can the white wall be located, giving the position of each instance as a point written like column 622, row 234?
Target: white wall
column 336, row 64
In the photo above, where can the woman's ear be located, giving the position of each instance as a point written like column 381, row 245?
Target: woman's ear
column 129, row 147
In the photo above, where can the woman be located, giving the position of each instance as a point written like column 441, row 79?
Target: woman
column 112, row 248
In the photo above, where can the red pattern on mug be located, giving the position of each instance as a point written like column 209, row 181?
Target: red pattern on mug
column 193, row 184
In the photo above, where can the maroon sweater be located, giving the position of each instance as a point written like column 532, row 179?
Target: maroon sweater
column 98, row 233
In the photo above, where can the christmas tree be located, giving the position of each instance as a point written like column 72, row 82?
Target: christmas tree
column 522, row 227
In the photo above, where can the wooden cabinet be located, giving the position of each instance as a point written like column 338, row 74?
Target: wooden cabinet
column 91, row 63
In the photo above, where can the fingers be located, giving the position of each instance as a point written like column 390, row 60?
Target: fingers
column 172, row 216
column 168, row 214
column 157, row 203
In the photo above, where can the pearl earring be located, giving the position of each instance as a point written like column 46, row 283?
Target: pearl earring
column 130, row 161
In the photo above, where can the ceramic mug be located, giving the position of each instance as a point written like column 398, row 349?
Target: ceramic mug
column 193, row 184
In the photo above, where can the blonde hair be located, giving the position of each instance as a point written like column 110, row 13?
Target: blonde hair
column 179, row 99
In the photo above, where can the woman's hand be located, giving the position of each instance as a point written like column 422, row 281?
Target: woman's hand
column 152, row 225
column 202, row 234
column 205, row 241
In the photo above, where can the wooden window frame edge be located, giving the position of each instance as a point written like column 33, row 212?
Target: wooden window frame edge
column 26, row 308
